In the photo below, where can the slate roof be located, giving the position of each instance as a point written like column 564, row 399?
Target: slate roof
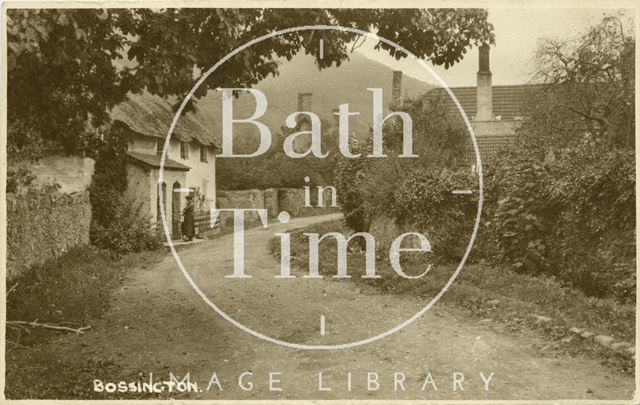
column 154, row 161
column 151, row 115
column 508, row 101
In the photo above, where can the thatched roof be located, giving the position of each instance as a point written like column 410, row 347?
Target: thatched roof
column 151, row 115
column 154, row 161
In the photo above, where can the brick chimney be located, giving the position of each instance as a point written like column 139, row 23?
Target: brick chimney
column 484, row 91
column 304, row 104
column 302, row 143
column 304, row 101
column 396, row 89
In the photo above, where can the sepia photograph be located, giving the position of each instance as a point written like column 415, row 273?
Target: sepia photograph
column 292, row 201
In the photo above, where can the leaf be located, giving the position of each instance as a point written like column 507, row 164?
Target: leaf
column 80, row 34
column 63, row 19
column 30, row 34
column 15, row 47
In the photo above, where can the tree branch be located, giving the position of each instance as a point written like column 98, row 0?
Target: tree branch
column 355, row 43
column 35, row 324
column 600, row 120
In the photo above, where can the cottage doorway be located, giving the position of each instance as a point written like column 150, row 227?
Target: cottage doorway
column 175, row 211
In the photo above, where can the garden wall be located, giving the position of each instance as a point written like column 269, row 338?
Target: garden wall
column 274, row 200
column 42, row 225
column 72, row 174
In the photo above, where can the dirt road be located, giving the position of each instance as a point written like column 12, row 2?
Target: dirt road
column 158, row 324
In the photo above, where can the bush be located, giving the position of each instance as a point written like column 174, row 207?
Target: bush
column 570, row 214
column 597, row 245
column 18, row 179
column 128, row 231
column 347, row 183
column 518, row 211
column 423, row 201
column 110, row 176
column 420, row 200
column 566, row 210
column 407, row 189
column 116, row 223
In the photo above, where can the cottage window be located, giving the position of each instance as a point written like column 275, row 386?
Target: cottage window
column 184, row 150
column 159, row 147
column 203, row 154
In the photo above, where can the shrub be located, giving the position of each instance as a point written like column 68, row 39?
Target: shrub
column 128, row 230
column 110, row 176
column 518, row 211
column 116, row 223
column 564, row 210
column 405, row 188
column 18, row 179
column 423, row 200
column 570, row 214
column 597, row 244
column 347, row 180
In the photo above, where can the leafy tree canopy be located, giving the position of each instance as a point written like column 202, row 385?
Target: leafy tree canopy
column 68, row 67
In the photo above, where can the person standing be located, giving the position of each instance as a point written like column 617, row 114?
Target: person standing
column 188, row 225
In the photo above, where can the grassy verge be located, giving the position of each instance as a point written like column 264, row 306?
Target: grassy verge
column 494, row 295
column 66, row 291
column 69, row 291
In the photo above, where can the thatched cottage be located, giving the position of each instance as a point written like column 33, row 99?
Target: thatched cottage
column 189, row 166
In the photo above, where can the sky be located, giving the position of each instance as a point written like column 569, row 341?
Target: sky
column 517, row 33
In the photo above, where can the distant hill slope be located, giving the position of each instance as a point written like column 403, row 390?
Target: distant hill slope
column 330, row 87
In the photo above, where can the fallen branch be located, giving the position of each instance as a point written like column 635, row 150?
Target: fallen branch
column 36, row 324
column 19, row 328
column 15, row 345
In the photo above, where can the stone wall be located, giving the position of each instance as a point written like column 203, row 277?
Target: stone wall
column 44, row 225
column 240, row 199
column 292, row 201
column 274, row 200
column 71, row 173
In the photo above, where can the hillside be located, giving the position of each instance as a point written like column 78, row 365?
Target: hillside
column 330, row 88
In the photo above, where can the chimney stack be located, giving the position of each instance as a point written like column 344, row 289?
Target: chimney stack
column 304, row 101
column 484, row 92
column 303, row 142
column 396, row 89
column 304, row 104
